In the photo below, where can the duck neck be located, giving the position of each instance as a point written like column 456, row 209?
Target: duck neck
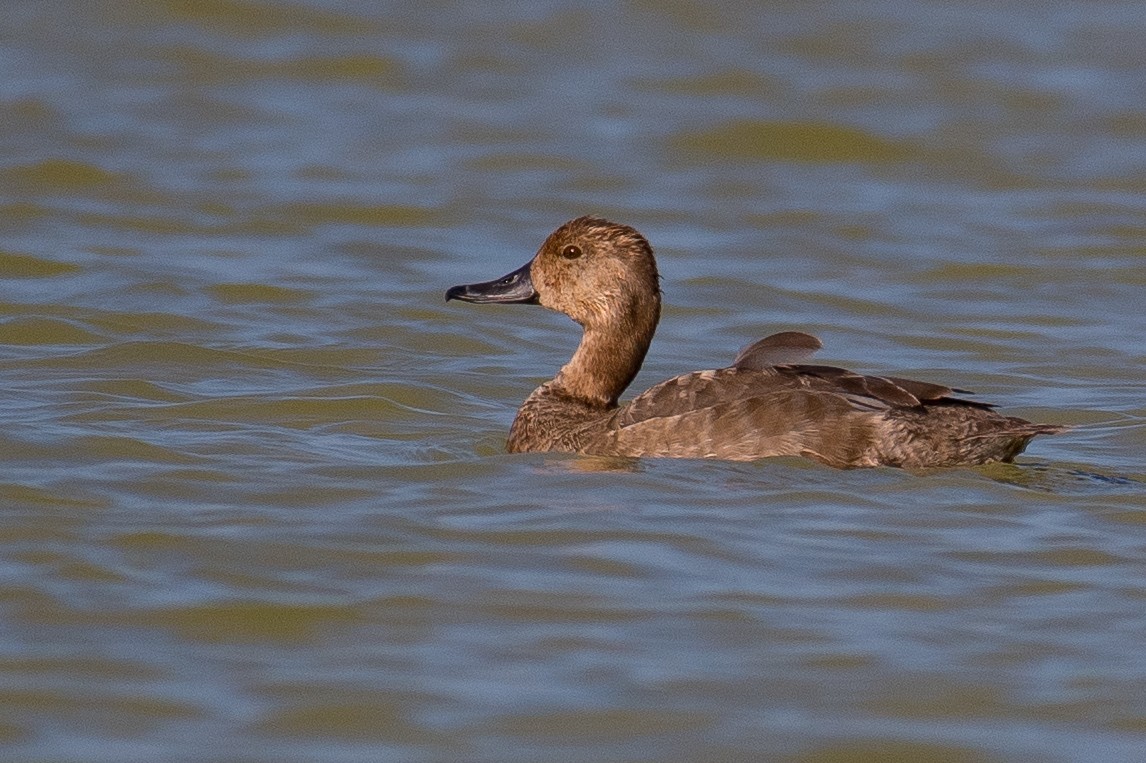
column 609, row 356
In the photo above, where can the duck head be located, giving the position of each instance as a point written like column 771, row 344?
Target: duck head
column 597, row 272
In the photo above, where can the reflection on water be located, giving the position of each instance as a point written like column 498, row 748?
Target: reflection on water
column 255, row 499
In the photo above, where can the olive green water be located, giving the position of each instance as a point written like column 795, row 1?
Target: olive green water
column 253, row 500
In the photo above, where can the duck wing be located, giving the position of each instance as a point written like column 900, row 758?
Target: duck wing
column 784, row 353
column 765, row 376
column 880, row 392
column 693, row 393
column 760, row 407
column 778, row 349
column 740, row 414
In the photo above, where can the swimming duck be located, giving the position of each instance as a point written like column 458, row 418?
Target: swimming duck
column 769, row 402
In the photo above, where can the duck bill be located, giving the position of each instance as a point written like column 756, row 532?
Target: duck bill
column 514, row 287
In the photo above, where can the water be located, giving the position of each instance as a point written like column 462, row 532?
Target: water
column 254, row 500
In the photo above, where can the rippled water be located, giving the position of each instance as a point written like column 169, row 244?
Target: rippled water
column 254, row 500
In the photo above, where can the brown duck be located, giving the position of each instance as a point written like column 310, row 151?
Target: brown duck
column 767, row 403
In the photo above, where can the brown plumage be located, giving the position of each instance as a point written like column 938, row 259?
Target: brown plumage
column 767, row 403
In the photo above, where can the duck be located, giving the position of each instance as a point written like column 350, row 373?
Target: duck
column 769, row 402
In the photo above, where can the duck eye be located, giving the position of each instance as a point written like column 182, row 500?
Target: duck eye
column 571, row 252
